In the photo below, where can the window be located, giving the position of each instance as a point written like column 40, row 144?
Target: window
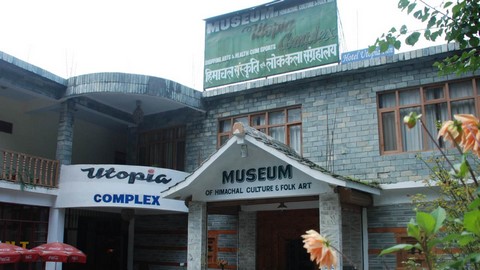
column 436, row 103
column 410, row 257
column 284, row 125
column 163, row 148
column 23, row 225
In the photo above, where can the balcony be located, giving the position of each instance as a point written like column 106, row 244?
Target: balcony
column 28, row 170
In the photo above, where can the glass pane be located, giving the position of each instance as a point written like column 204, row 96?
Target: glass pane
column 278, row 133
column 243, row 120
column 389, row 134
column 463, row 106
column 223, row 140
column 276, row 118
column 434, row 113
column 294, row 115
column 478, row 85
column 411, row 137
column 224, row 126
column 434, row 93
column 387, row 100
column 409, row 97
column 295, row 138
column 461, row 89
column 257, row 120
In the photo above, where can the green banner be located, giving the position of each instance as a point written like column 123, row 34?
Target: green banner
column 270, row 40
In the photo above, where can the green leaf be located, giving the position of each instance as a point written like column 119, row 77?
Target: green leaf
column 447, row 4
column 402, row 4
column 439, row 215
column 417, row 14
column 471, row 221
column 475, row 204
column 413, row 230
column 396, row 248
column 465, row 239
column 412, row 38
column 411, row 7
column 426, row 222
column 397, row 44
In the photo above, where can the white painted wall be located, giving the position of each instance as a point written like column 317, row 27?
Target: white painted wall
column 34, row 133
column 94, row 144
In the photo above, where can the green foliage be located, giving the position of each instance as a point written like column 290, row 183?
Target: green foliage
column 453, row 223
column 454, row 21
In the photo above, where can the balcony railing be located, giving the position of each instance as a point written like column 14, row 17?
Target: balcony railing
column 28, row 170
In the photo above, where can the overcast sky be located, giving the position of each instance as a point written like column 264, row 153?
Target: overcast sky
column 152, row 37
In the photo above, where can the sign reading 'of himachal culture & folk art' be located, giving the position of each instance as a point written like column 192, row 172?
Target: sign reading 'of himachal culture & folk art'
column 269, row 40
column 259, row 182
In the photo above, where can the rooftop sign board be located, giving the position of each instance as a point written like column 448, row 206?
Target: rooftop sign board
column 270, row 39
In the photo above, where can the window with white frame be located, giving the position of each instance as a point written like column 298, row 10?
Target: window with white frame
column 437, row 103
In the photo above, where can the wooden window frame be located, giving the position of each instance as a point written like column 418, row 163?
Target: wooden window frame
column 265, row 128
column 422, row 104
column 158, row 138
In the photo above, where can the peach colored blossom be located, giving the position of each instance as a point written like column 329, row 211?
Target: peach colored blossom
column 451, row 131
column 319, row 248
column 470, row 125
column 463, row 131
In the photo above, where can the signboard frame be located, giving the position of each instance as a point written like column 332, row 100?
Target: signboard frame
column 270, row 40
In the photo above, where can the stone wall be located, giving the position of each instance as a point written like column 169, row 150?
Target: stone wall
column 339, row 112
column 385, row 225
column 160, row 241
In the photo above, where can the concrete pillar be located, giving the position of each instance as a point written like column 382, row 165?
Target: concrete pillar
column 56, row 219
column 131, row 242
column 247, row 240
column 65, row 133
column 197, row 236
column 331, row 221
column 56, row 226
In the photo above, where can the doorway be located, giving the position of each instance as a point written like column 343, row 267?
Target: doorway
column 279, row 239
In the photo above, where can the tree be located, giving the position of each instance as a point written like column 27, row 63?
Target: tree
column 453, row 228
column 456, row 22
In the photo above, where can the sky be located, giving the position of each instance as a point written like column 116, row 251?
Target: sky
column 153, row 37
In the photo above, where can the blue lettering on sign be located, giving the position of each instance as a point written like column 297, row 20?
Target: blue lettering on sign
column 361, row 55
column 127, row 199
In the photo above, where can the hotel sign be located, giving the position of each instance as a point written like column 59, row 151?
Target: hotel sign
column 269, row 40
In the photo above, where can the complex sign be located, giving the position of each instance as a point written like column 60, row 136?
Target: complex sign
column 117, row 186
column 269, row 40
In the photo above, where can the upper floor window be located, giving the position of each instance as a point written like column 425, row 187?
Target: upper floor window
column 436, row 103
column 284, row 125
column 164, row 148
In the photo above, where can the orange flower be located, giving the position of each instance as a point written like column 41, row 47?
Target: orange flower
column 451, row 131
column 470, row 129
column 463, row 131
column 319, row 248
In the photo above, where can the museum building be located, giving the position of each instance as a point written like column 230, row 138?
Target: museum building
column 140, row 172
